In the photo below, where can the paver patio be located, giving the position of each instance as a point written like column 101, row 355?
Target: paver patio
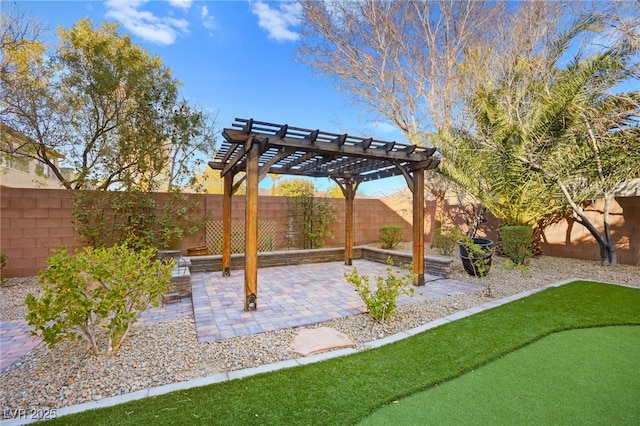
column 16, row 340
column 293, row 296
column 288, row 296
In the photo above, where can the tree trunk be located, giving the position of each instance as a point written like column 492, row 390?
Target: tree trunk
column 608, row 256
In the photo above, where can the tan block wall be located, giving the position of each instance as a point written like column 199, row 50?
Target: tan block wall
column 569, row 239
column 32, row 223
column 35, row 221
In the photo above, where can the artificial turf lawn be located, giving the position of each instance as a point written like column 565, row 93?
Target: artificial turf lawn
column 584, row 376
column 347, row 389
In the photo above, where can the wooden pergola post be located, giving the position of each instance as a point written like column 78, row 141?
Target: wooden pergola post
column 418, row 226
column 226, row 224
column 349, row 192
column 251, row 228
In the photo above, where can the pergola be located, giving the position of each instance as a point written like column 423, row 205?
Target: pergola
column 258, row 148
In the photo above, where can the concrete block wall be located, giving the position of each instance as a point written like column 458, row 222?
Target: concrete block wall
column 569, row 239
column 369, row 216
column 32, row 223
column 35, row 221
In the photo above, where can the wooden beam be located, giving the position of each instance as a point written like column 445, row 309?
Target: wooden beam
column 236, row 185
column 406, row 174
column 283, row 153
column 431, row 163
column 251, row 231
column 216, row 165
column 333, row 148
column 230, row 152
column 282, row 132
column 418, row 226
column 248, row 126
column 226, row 225
column 239, row 165
column 306, row 157
column 311, row 137
column 409, row 149
column 239, row 156
column 340, row 139
column 320, row 160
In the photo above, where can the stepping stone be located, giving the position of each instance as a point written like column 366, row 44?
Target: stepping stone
column 311, row 341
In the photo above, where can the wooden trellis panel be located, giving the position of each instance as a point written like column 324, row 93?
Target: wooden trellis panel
column 266, row 236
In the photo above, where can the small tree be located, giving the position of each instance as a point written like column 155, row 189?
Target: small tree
column 138, row 218
column 296, row 187
column 96, row 294
column 381, row 302
column 309, row 216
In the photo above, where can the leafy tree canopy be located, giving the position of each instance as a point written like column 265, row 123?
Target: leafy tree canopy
column 109, row 107
column 296, row 187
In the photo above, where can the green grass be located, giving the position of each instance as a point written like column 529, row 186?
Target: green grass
column 579, row 377
column 345, row 390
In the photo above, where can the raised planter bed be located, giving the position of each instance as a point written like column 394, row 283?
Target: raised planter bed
column 433, row 265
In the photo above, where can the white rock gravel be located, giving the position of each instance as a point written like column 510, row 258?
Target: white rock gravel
column 167, row 352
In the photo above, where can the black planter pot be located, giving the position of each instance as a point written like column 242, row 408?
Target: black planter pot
column 471, row 261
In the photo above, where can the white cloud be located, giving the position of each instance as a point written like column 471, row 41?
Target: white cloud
column 182, row 4
column 156, row 29
column 278, row 20
column 208, row 21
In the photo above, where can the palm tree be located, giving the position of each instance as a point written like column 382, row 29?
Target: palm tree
column 548, row 136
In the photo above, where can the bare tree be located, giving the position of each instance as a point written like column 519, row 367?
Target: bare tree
column 416, row 63
column 398, row 58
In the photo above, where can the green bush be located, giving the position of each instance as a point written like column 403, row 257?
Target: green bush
column 97, row 294
column 516, row 243
column 390, row 236
column 444, row 240
column 311, row 218
column 381, row 303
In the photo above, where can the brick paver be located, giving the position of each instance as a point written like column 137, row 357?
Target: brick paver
column 293, row 296
column 15, row 340
column 288, row 296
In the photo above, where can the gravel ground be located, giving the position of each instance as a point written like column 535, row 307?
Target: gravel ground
column 167, row 352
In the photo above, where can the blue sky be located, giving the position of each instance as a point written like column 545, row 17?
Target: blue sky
column 234, row 58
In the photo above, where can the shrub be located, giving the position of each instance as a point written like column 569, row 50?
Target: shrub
column 381, row 303
column 97, row 294
column 390, row 236
column 444, row 240
column 516, row 243
column 104, row 219
column 310, row 220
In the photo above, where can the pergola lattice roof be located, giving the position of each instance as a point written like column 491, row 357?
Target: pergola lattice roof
column 313, row 153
